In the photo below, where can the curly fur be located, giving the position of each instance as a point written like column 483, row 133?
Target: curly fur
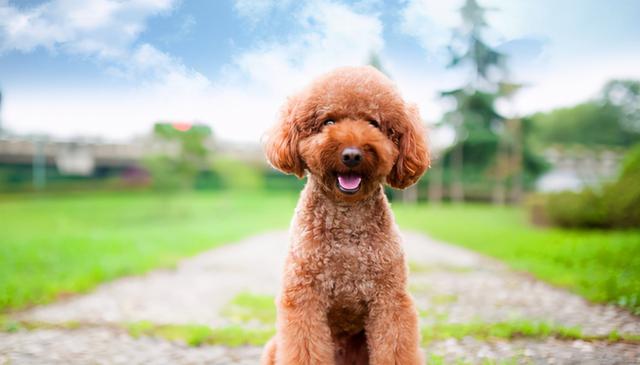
column 344, row 298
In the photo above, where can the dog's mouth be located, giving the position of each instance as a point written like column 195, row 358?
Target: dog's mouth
column 349, row 183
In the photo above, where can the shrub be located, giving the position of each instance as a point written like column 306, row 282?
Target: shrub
column 583, row 209
column 617, row 206
column 623, row 197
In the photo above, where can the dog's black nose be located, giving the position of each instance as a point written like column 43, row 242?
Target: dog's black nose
column 351, row 156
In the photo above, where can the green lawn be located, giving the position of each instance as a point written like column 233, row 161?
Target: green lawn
column 52, row 246
column 602, row 266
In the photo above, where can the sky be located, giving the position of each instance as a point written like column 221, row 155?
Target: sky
column 111, row 68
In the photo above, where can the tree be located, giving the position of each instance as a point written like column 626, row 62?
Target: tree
column 625, row 96
column 0, row 112
column 179, row 171
column 611, row 120
column 487, row 143
column 474, row 119
column 374, row 61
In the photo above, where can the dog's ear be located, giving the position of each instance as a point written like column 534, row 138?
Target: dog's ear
column 281, row 145
column 413, row 156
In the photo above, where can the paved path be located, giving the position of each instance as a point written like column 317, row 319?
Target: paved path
column 449, row 283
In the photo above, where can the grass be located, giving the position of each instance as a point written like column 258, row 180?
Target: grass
column 54, row 246
column 603, row 266
column 499, row 330
column 433, row 359
column 239, row 335
column 247, row 307
column 197, row 335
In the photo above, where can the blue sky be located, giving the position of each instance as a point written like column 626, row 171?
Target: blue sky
column 111, row 68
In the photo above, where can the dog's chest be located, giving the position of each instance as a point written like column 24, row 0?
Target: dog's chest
column 351, row 268
column 349, row 282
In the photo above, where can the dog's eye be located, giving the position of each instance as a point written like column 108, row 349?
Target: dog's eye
column 329, row 122
column 374, row 123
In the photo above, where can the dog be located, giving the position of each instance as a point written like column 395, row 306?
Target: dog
column 344, row 298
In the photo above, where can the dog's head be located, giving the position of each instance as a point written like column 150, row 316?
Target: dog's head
column 352, row 130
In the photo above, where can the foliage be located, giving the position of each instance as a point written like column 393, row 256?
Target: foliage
column 68, row 244
column 169, row 174
column 238, row 175
column 477, row 113
column 576, row 209
column 488, row 145
column 172, row 173
column 603, row 266
column 469, row 48
column 617, row 205
column 590, row 123
column 610, row 120
column 480, row 152
column 276, row 181
column 625, row 95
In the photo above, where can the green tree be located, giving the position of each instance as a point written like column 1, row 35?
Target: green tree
column 611, row 120
column 487, row 144
column 171, row 172
column 625, row 96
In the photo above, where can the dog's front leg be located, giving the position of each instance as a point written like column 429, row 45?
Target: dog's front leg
column 393, row 335
column 304, row 335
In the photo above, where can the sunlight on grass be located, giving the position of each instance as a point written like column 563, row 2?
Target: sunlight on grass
column 239, row 335
column 247, row 307
column 434, row 359
column 197, row 335
column 603, row 266
column 54, row 246
column 499, row 330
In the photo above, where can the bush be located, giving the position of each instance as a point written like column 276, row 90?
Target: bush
column 617, row 206
column 584, row 209
column 170, row 174
column 237, row 174
column 623, row 197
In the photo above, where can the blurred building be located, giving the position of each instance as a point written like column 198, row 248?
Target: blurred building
column 37, row 160
column 578, row 168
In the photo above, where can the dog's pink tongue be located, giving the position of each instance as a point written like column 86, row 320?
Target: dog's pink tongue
column 349, row 182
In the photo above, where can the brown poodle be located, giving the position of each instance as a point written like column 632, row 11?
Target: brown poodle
column 344, row 298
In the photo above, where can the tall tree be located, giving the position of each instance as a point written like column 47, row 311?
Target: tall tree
column 0, row 112
column 482, row 133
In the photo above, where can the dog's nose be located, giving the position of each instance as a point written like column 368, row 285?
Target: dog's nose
column 351, row 156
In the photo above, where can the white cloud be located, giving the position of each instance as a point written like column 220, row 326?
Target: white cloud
column 243, row 101
column 430, row 21
column 106, row 30
column 240, row 105
column 102, row 28
column 257, row 84
column 332, row 35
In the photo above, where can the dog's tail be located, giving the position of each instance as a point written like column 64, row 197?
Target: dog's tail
column 269, row 353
